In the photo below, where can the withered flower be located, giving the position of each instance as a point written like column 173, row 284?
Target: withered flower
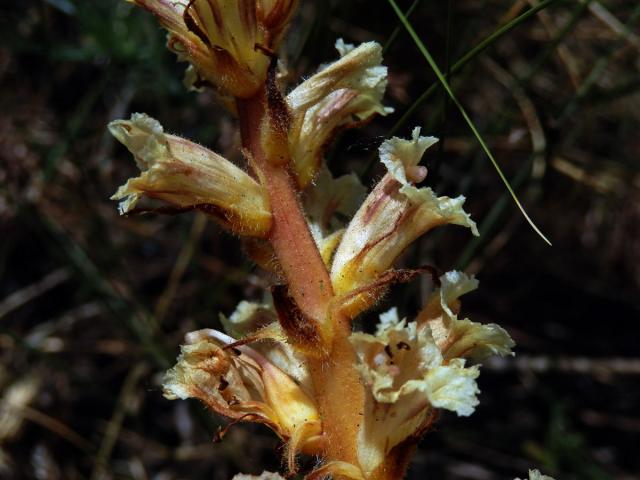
column 344, row 93
column 241, row 384
column 394, row 214
column 227, row 42
column 186, row 174
column 260, row 322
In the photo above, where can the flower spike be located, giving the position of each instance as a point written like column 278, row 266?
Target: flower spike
column 357, row 401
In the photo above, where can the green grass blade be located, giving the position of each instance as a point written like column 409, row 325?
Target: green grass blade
column 459, row 65
column 470, row 55
column 396, row 31
column 425, row 52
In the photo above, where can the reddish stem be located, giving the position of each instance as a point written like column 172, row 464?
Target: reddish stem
column 302, row 265
column 338, row 388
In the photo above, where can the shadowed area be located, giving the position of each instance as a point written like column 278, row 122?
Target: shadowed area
column 94, row 306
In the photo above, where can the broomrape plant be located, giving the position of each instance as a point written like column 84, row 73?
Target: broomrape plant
column 358, row 401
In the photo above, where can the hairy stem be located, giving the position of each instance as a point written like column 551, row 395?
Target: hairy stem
column 339, row 391
column 307, row 277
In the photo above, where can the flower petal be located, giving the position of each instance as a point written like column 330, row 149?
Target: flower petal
column 186, row 174
column 401, row 157
column 239, row 383
column 453, row 387
column 461, row 338
column 340, row 95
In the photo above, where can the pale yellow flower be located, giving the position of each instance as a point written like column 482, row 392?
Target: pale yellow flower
column 186, row 174
column 406, row 378
column 393, row 215
column 341, row 94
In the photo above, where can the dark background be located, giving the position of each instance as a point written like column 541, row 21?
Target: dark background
column 94, row 306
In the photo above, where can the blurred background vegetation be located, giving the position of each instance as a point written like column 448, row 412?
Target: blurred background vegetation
column 94, row 306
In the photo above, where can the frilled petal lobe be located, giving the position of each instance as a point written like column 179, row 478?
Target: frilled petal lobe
column 536, row 475
column 461, row 338
column 406, row 377
column 241, row 384
column 341, row 94
column 393, row 215
column 186, row 174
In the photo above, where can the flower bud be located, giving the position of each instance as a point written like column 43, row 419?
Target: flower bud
column 186, row 174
